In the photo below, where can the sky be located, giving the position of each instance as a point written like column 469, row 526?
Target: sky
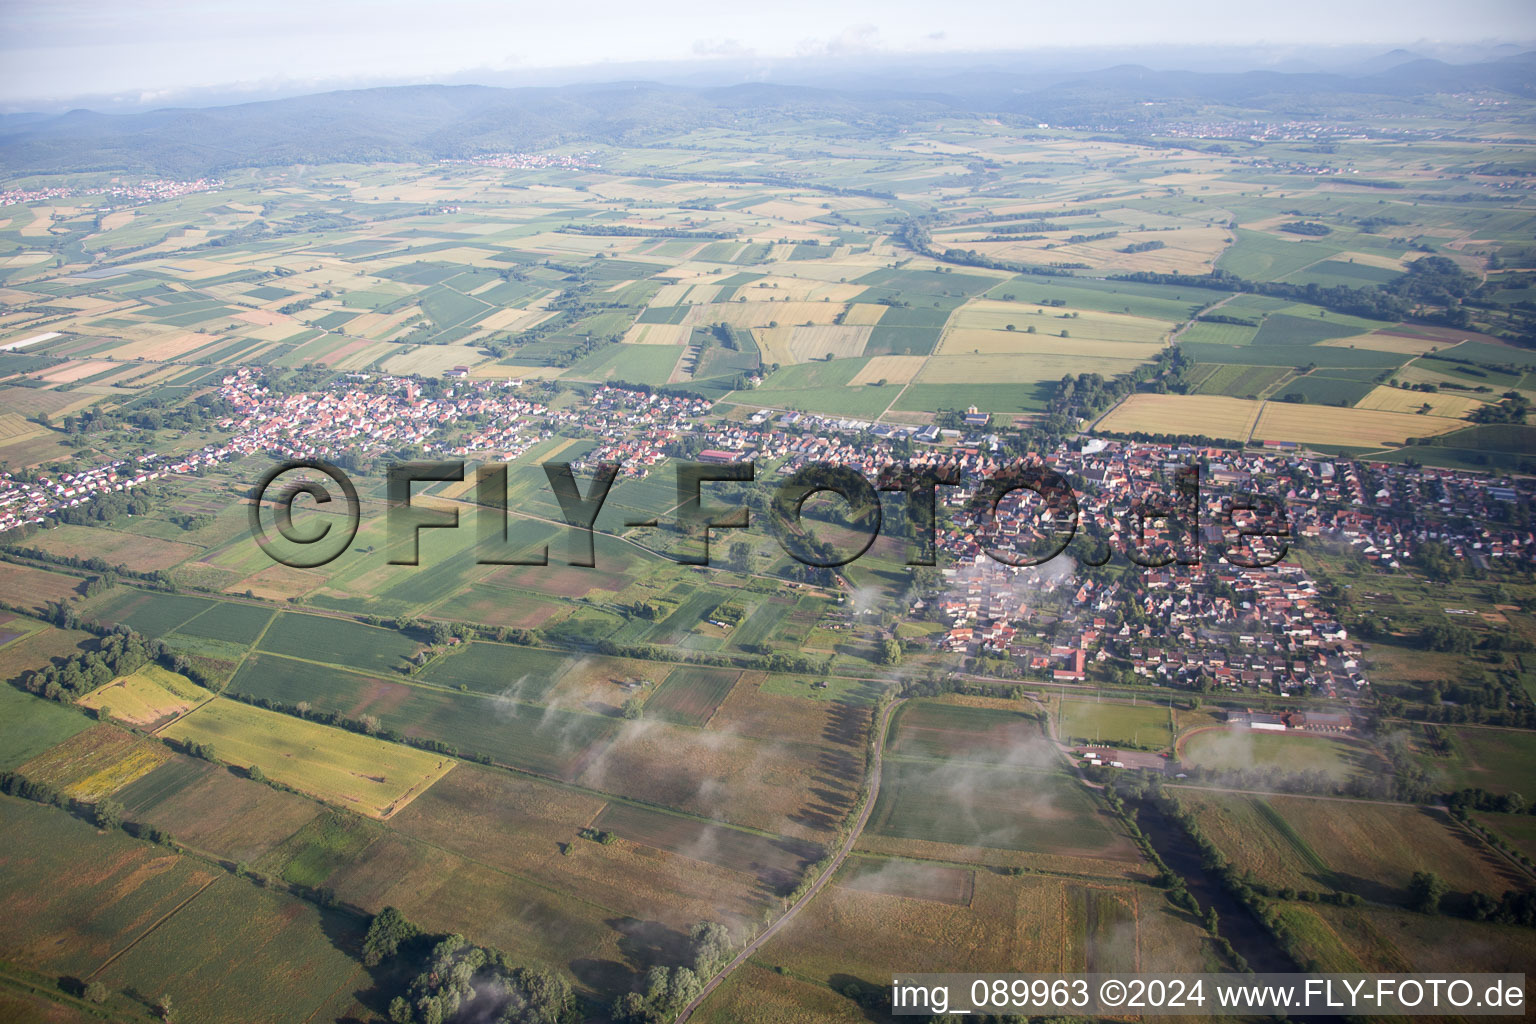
column 153, row 51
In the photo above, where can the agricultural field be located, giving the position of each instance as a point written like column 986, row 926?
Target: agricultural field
column 96, row 763
column 987, row 808
column 689, row 696
column 210, row 809
column 1356, row 428
column 956, row 731
column 1323, row 845
column 1211, row 415
column 1498, row 760
column 149, row 698
column 542, row 739
column 368, row 775
column 29, row 726
column 1220, row 748
column 1028, row 924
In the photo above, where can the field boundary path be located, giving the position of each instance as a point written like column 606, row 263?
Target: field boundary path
column 826, row 875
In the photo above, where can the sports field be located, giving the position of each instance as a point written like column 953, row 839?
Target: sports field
column 1143, row 725
column 1224, row 749
column 368, row 775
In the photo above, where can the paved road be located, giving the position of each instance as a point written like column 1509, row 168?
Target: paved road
column 822, row 879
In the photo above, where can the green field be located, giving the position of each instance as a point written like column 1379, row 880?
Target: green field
column 1323, row 390
column 149, row 612
column 1003, row 808
column 119, row 888
column 239, row 951
column 1498, row 760
column 230, row 622
column 1240, row 381
column 526, row 673
column 689, row 695
column 545, row 740
column 30, row 725
column 1144, row 725
column 951, row 731
column 1222, row 749
column 337, row 642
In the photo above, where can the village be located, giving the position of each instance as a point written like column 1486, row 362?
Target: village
column 1211, row 610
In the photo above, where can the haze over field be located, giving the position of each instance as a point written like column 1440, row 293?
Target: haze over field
column 172, row 52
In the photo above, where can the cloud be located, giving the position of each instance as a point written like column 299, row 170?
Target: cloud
column 722, row 48
column 854, row 40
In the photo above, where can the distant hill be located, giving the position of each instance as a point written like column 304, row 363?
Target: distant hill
column 410, row 123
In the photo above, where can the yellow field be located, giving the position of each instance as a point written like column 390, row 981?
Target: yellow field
column 1364, row 428
column 891, row 369
column 761, row 314
column 70, row 372
column 149, row 695
column 24, row 259
column 658, row 334
column 968, row 341
column 1211, row 415
column 96, row 763
column 162, row 345
column 785, row 344
column 368, row 775
column 116, row 219
column 357, row 354
column 864, row 314
column 799, row 289
column 429, row 360
column 513, row 319
column 785, row 209
column 807, row 343
column 379, row 325
column 996, row 315
column 14, row 426
column 1386, row 343
column 1389, row 399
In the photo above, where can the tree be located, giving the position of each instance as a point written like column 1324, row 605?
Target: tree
column 255, row 774
column 633, row 708
column 711, row 946
column 1425, row 892
column 890, row 652
column 388, row 930
column 108, row 814
column 95, row 992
